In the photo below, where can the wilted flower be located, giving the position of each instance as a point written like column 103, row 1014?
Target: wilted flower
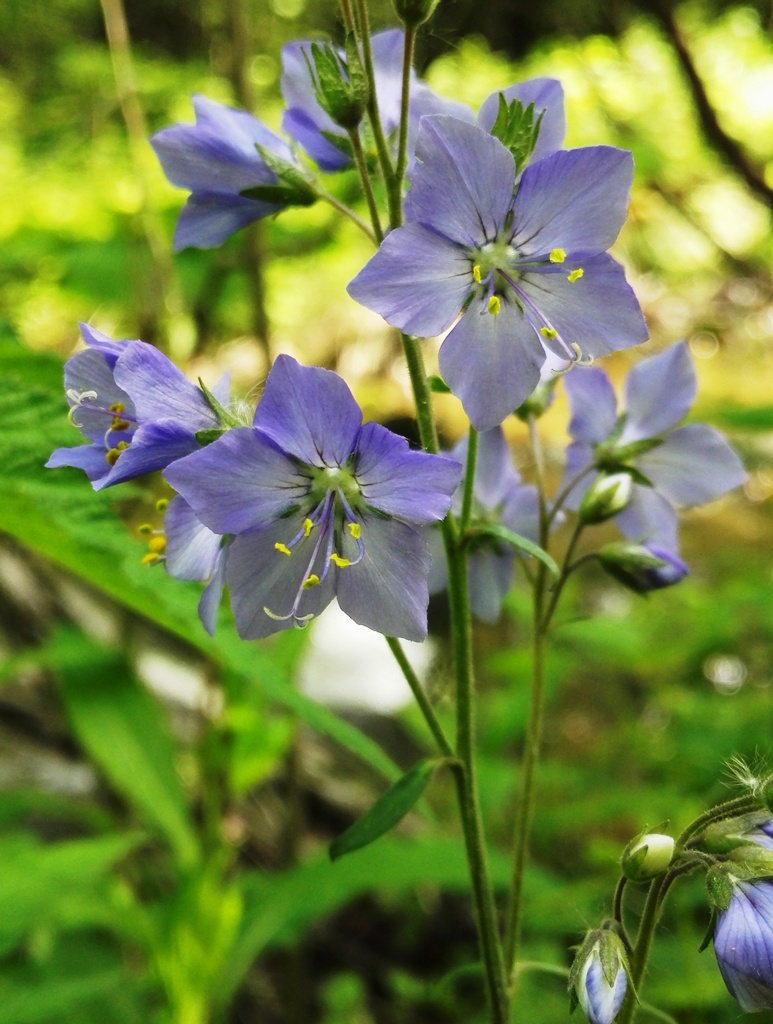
column 523, row 273
column 320, row 506
column 224, row 155
column 685, row 466
column 743, row 943
column 137, row 409
column 599, row 978
column 499, row 499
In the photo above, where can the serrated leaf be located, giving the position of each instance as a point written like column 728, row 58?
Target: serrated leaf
column 517, row 541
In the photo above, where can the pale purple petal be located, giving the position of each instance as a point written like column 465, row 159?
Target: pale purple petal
column 89, row 371
column 160, row 390
column 658, row 393
column 593, row 404
column 209, row 603
column 649, row 518
column 306, row 132
column 575, row 200
column 88, row 457
column 95, row 339
column 261, row 577
column 387, row 48
column 495, row 475
column 417, row 281
column 601, row 1001
column 309, row 412
column 423, row 103
column 192, row 550
column 463, row 181
column 520, row 513
column 490, row 576
column 599, row 312
column 578, row 465
column 491, row 362
column 298, row 89
column 387, row 590
column 743, row 944
column 547, row 95
column 398, row 481
column 694, row 465
column 154, row 446
column 208, row 218
column 239, row 482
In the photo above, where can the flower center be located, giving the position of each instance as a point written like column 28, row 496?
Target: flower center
column 121, row 422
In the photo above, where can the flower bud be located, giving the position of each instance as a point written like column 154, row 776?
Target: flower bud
column 605, row 497
column 341, row 87
column 598, row 978
column 728, row 834
column 647, row 856
column 642, row 567
column 414, row 12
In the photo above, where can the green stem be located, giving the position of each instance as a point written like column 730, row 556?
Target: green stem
column 739, row 805
column 367, row 187
column 641, row 949
column 347, row 212
column 469, row 481
column 395, row 185
column 421, row 697
column 567, row 569
column 421, row 393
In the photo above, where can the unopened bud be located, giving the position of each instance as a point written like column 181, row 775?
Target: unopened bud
column 642, row 567
column 647, row 856
column 598, row 979
column 605, row 497
column 414, row 12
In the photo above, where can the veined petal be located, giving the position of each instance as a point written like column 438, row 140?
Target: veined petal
column 192, row 549
column 417, row 281
column 208, row 218
column 743, row 944
column 239, row 482
column 387, row 589
column 309, row 412
column 160, row 390
column 154, row 446
column 693, row 465
column 489, row 579
column 463, row 180
column 95, row 339
column 649, row 518
column 89, row 371
column 259, row 577
column 593, row 404
column 398, row 481
column 574, row 200
column 601, row 1001
column 599, row 311
column 88, row 457
column 491, row 362
column 209, row 602
column 658, row 393
column 547, row 95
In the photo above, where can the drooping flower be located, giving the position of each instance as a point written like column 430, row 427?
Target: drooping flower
column 686, row 466
column 599, row 977
column 743, row 943
column 523, row 273
column 193, row 552
column 499, row 499
column 312, row 127
column 320, row 505
column 135, row 407
column 643, row 567
column 218, row 160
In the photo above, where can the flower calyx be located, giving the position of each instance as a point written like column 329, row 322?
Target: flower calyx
column 293, row 186
column 517, row 128
column 340, row 85
column 647, row 855
column 600, row 974
column 606, row 496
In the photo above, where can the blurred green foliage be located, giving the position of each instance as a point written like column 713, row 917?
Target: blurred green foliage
column 166, row 861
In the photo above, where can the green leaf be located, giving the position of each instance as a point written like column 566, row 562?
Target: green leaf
column 516, row 541
column 390, row 808
column 57, row 998
column 123, row 729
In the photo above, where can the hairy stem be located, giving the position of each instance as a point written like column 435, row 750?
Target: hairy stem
column 421, row 697
column 469, row 481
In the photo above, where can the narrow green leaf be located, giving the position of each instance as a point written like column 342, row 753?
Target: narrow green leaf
column 58, row 998
column 390, row 808
column 517, row 541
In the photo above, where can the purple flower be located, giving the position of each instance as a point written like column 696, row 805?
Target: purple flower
column 743, row 944
column 320, row 506
column 600, row 977
column 194, row 552
column 643, row 567
column 523, row 272
column 325, row 141
column 135, row 407
column 499, row 499
column 217, row 159
column 686, row 466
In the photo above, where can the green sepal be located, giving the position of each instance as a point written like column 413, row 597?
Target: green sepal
column 517, row 128
column 437, row 385
column 515, row 540
column 709, row 934
column 727, row 834
column 226, row 418
column 340, row 89
column 390, row 808
column 719, row 885
column 294, row 187
column 413, row 13
column 205, row 437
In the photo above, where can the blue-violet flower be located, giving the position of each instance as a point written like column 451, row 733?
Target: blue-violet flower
column 743, row 943
column 193, row 552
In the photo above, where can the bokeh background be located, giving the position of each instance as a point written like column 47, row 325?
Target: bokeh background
column 165, row 799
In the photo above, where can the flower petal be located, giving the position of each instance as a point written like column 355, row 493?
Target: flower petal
column 160, row 390
column 649, row 518
column 489, row 579
column 417, row 281
column 495, row 475
column 693, row 465
column 87, row 371
column 209, row 603
column 95, row 339
column 387, row 590
column 88, row 457
column 547, row 95
column 491, row 362
column 658, row 393
column 154, row 446
column 593, row 404
column 743, row 944
column 398, row 481
column 576, row 200
column 239, row 482
column 463, row 180
column 192, row 549
column 521, row 512
column 309, row 412
column 578, row 465
column 306, row 132
column 601, row 1001
column 208, row 218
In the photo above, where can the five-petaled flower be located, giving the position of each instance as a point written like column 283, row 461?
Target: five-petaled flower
column 137, row 409
column 686, row 466
column 320, row 505
column 743, row 943
column 524, row 272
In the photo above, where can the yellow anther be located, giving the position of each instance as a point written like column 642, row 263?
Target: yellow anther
column 282, row 549
column 354, row 529
column 339, row 561
column 158, row 543
column 119, row 424
column 161, row 504
column 476, row 274
column 307, row 527
column 117, row 407
column 311, row 581
column 548, row 332
column 145, row 529
column 575, row 275
column 494, row 305
column 122, row 446
column 557, row 256
column 150, row 558
column 111, row 456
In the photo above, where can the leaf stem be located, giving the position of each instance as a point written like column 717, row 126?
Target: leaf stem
column 421, row 697
column 469, row 481
column 347, row 212
column 367, row 186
